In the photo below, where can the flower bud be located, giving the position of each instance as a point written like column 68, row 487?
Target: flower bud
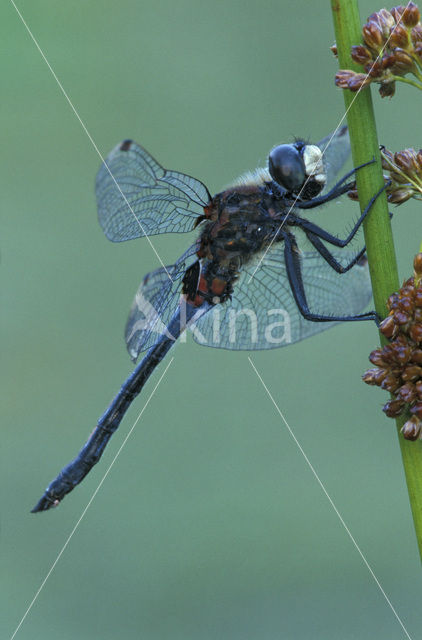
column 416, row 333
column 388, row 60
column 393, row 408
column 370, row 376
column 358, row 81
column 401, row 318
column 407, row 392
column 398, row 196
column 384, row 19
column 411, row 429
column 402, row 352
column 388, row 327
column 361, row 55
column 417, row 264
column 397, row 13
column 418, row 298
column 399, row 37
column 376, row 358
column 412, row 373
column 372, row 35
column 416, row 409
column 391, row 383
column 416, row 34
column 402, row 61
column 406, row 305
column 416, row 356
column 411, row 15
column 405, row 160
column 343, row 77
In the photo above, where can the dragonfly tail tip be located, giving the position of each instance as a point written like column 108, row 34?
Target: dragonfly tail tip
column 44, row 504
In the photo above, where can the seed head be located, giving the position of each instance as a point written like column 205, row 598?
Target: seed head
column 398, row 364
column 403, row 173
column 392, row 48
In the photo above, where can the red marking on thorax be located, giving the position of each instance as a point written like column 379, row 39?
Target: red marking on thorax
column 218, row 286
column 202, row 287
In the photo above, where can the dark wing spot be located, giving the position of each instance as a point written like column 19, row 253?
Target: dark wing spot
column 342, row 131
column 125, row 146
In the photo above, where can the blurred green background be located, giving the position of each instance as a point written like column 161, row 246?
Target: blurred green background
column 210, row 524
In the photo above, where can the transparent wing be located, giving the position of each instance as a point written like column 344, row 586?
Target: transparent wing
column 137, row 197
column 154, row 303
column 336, row 150
column 263, row 313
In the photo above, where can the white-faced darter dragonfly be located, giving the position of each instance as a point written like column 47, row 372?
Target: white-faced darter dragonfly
column 256, row 251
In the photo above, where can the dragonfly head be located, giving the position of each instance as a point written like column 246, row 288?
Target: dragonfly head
column 298, row 168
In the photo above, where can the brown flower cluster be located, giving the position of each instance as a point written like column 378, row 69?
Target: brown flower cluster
column 398, row 365
column 402, row 175
column 404, row 172
column 392, row 48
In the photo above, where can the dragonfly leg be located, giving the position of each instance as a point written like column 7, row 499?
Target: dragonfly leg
column 294, row 273
column 336, row 191
column 328, row 256
column 307, row 225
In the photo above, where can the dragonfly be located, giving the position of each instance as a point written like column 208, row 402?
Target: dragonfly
column 261, row 273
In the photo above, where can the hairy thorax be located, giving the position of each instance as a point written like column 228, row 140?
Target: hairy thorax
column 238, row 224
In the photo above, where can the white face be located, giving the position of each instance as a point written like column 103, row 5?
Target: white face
column 312, row 157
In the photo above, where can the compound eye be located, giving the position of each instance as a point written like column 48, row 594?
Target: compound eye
column 286, row 167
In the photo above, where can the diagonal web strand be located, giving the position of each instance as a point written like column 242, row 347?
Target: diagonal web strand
column 87, row 133
column 62, row 550
column 330, row 500
column 324, row 150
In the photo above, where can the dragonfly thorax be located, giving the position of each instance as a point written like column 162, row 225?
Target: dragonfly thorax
column 239, row 223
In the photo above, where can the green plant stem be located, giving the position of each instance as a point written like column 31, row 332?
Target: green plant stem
column 377, row 227
column 408, row 81
column 418, row 66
